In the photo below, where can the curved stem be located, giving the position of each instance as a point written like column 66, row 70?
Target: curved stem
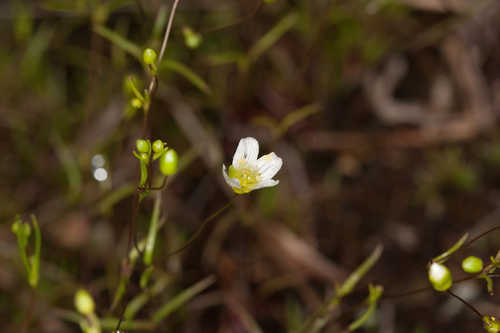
column 200, row 229
column 420, row 290
column 466, row 303
column 469, row 243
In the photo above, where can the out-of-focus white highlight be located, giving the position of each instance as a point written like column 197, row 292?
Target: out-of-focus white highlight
column 100, row 174
column 98, row 161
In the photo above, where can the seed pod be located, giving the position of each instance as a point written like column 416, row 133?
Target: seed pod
column 143, row 146
column 440, row 277
column 472, row 265
column 84, row 302
column 149, row 56
column 168, row 162
column 158, row 146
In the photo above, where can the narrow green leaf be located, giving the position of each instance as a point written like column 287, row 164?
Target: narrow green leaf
column 187, row 73
column 296, row 116
column 153, row 231
column 361, row 271
column 182, row 298
column 35, row 258
column 119, row 41
column 122, row 192
column 138, row 302
column 320, row 318
column 272, row 36
column 445, row 255
column 224, row 58
column 373, row 297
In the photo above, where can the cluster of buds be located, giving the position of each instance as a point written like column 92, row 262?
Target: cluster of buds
column 441, row 279
column 31, row 262
column 138, row 99
column 158, row 150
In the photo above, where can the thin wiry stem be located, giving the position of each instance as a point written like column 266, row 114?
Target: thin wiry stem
column 167, row 31
column 420, row 290
column 200, row 229
column 29, row 313
column 466, row 303
column 469, row 243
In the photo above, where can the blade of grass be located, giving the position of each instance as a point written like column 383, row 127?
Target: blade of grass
column 321, row 317
column 296, row 116
column 119, row 41
column 187, row 73
column 182, row 298
column 153, row 230
column 138, row 302
column 272, row 36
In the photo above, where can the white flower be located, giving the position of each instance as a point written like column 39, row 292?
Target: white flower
column 247, row 173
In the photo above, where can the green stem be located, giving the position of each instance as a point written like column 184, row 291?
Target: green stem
column 153, row 230
column 35, row 259
column 144, row 174
column 321, row 317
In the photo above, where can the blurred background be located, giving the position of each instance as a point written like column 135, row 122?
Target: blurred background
column 384, row 112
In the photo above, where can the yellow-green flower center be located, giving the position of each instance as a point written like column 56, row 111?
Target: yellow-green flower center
column 247, row 175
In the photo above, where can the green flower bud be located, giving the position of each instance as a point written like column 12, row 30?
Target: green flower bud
column 143, row 146
column 472, row 265
column 440, row 277
column 136, row 103
column 490, row 324
column 168, row 162
column 15, row 227
column 149, row 56
column 158, row 146
column 191, row 38
column 84, row 302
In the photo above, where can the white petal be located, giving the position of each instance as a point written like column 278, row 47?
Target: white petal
column 269, row 165
column 248, row 149
column 233, row 182
column 266, row 183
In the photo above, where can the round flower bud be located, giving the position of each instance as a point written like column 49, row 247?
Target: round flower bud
column 15, row 227
column 440, row 277
column 472, row 265
column 191, row 38
column 149, row 56
column 143, row 146
column 136, row 103
column 84, row 302
column 168, row 162
column 158, row 146
column 491, row 324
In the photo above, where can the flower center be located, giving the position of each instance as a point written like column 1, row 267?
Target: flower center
column 247, row 175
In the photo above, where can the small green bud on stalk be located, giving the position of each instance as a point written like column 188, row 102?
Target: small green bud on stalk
column 168, row 162
column 191, row 38
column 158, row 146
column 490, row 324
column 84, row 302
column 149, row 56
column 143, row 146
column 440, row 277
column 472, row 265
column 136, row 103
